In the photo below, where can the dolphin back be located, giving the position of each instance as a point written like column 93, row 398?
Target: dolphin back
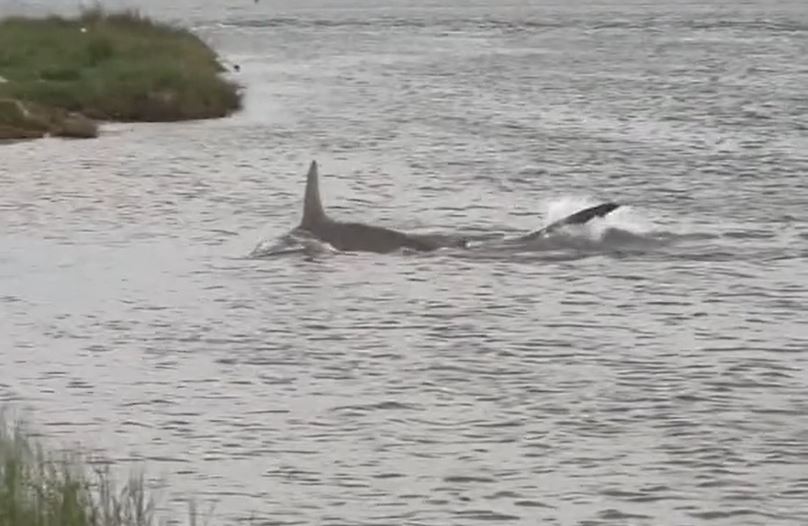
column 352, row 237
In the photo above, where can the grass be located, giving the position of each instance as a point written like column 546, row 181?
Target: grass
column 45, row 488
column 113, row 66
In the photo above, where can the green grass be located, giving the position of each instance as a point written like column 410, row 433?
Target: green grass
column 113, row 66
column 40, row 487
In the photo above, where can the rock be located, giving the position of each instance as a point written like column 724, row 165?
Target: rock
column 77, row 126
column 19, row 120
column 11, row 133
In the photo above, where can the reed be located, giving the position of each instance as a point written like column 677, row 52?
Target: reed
column 40, row 487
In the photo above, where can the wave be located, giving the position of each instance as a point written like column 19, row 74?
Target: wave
column 294, row 242
column 450, row 22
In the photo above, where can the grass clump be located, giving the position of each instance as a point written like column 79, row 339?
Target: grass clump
column 112, row 66
column 39, row 488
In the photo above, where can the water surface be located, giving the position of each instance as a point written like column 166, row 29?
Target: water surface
column 651, row 369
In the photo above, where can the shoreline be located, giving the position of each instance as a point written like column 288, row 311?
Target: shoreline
column 62, row 76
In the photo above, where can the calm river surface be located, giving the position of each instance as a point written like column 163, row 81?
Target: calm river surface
column 649, row 370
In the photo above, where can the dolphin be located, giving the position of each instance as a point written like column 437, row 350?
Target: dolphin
column 356, row 237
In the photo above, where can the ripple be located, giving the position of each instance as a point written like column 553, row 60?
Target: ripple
column 649, row 368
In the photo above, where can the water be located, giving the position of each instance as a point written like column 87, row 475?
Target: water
column 651, row 369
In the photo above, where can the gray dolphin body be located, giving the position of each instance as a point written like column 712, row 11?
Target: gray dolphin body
column 354, row 237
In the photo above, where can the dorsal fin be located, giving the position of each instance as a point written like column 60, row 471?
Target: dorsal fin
column 313, row 212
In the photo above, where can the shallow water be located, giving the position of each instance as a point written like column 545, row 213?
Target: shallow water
column 649, row 369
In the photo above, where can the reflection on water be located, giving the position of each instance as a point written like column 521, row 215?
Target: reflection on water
column 648, row 368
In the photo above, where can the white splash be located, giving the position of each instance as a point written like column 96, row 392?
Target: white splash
column 627, row 218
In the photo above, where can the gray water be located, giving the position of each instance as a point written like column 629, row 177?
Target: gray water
column 650, row 369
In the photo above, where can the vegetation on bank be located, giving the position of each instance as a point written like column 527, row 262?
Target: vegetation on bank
column 44, row 488
column 58, row 75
